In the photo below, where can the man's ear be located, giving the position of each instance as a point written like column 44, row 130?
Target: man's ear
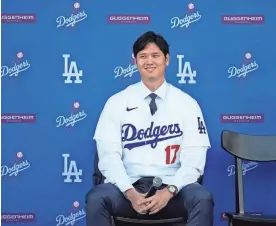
column 167, row 59
column 134, row 59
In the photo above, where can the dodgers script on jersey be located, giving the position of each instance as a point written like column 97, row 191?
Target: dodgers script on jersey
column 151, row 145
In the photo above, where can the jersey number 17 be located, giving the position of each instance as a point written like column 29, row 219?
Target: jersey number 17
column 171, row 151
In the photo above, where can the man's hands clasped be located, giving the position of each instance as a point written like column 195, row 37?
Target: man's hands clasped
column 151, row 205
column 136, row 198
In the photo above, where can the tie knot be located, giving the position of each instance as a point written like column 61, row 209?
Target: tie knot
column 153, row 96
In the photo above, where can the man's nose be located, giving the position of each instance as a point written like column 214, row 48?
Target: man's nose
column 149, row 60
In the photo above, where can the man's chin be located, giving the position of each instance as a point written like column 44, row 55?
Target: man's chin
column 152, row 78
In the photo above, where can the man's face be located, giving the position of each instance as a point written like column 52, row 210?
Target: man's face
column 151, row 62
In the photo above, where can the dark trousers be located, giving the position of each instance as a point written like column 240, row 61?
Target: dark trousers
column 193, row 202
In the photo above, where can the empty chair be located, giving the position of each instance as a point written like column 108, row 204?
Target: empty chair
column 253, row 148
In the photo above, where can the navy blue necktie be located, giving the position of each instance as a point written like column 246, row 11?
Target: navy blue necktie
column 153, row 106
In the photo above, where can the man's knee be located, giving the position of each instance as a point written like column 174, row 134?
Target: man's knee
column 99, row 196
column 204, row 194
column 108, row 199
column 198, row 193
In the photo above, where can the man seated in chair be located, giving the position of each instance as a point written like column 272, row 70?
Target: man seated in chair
column 151, row 129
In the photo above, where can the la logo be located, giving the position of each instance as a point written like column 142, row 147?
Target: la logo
column 71, row 70
column 185, row 71
column 201, row 127
column 71, row 170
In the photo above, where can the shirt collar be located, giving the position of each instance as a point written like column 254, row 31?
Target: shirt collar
column 160, row 92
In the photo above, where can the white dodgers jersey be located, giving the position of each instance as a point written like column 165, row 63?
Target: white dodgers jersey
column 151, row 144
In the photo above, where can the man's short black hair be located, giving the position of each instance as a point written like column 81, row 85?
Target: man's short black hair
column 150, row 37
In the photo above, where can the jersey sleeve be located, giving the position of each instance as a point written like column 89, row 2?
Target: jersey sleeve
column 109, row 124
column 195, row 130
column 193, row 160
column 109, row 145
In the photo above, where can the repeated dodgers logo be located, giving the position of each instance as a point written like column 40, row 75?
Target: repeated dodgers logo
column 77, row 16
column 16, row 168
column 246, row 167
column 17, row 67
column 76, row 214
column 76, row 116
column 128, row 71
column 248, row 66
column 190, row 17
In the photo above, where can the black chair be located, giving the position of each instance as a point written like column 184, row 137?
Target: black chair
column 98, row 178
column 252, row 148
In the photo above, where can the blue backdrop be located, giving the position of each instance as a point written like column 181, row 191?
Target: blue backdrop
column 226, row 47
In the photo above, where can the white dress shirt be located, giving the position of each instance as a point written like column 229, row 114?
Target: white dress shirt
column 132, row 143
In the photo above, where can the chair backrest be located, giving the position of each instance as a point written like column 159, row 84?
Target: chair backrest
column 247, row 147
column 98, row 178
column 250, row 147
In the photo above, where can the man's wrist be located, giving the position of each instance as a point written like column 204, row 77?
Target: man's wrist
column 172, row 189
column 169, row 194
